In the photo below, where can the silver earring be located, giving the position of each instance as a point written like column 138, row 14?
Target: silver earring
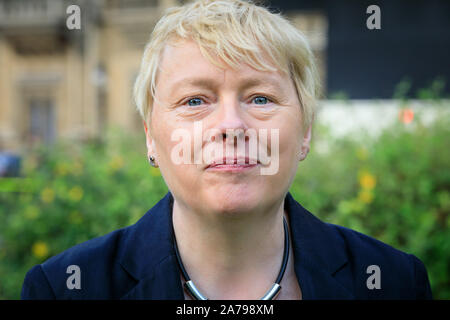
column 151, row 159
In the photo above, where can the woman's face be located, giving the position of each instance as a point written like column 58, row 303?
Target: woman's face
column 196, row 103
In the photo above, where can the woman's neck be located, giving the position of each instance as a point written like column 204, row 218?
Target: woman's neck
column 231, row 256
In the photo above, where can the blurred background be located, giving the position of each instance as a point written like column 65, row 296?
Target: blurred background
column 73, row 160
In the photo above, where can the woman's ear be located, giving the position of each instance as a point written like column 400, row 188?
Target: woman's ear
column 151, row 152
column 305, row 143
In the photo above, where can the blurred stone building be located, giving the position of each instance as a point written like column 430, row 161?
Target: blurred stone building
column 59, row 83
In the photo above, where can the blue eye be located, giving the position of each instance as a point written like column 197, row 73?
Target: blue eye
column 194, row 102
column 260, row 100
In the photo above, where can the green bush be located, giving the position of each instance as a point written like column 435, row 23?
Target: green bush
column 394, row 188
column 74, row 194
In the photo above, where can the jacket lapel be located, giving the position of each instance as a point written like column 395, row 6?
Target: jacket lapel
column 320, row 260
column 148, row 256
column 163, row 284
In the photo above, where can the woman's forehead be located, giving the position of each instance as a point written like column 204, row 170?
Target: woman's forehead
column 183, row 63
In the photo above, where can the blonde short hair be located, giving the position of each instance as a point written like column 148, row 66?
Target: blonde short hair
column 235, row 31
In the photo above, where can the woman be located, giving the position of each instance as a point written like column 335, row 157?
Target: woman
column 227, row 91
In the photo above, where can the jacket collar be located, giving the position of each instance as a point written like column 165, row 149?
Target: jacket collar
column 147, row 254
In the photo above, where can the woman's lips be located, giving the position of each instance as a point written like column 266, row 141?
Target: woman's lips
column 232, row 165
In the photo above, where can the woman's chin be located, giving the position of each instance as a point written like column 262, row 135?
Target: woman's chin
column 234, row 200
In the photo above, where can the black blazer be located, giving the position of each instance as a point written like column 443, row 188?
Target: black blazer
column 138, row 262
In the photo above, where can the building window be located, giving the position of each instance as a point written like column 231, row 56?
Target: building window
column 42, row 121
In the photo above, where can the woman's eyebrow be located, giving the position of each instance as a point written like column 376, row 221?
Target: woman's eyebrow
column 264, row 82
column 211, row 83
column 193, row 82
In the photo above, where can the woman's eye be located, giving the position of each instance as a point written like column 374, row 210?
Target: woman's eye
column 260, row 100
column 194, row 102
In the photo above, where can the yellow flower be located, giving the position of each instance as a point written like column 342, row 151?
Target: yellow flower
column 365, row 196
column 31, row 213
column 47, row 195
column 40, row 249
column 75, row 217
column 367, row 181
column 76, row 193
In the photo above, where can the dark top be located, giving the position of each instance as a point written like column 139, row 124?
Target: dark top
column 138, row 262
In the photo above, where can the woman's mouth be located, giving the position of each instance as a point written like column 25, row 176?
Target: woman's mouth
column 232, row 165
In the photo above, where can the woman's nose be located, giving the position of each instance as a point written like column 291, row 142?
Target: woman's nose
column 231, row 117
